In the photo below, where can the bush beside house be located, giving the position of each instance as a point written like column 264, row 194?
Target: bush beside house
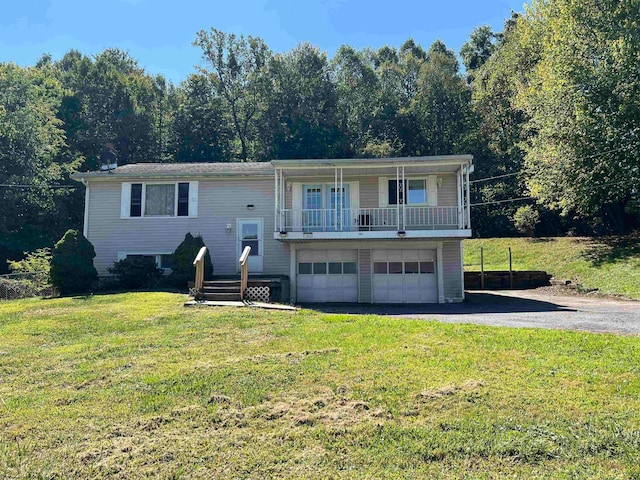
column 136, row 272
column 72, row 269
column 182, row 269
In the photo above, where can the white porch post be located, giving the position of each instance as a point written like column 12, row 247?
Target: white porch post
column 468, row 198
column 341, row 196
column 335, row 189
column 404, row 200
column 398, row 198
column 277, row 195
column 282, row 202
column 460, row 199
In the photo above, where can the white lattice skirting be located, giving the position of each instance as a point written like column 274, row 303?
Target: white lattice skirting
column 257, row 294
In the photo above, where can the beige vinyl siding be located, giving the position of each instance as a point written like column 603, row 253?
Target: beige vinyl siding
column 447, row 193
column 369, row 192
column 452, row 270
column 364, row 276
column 221, row 202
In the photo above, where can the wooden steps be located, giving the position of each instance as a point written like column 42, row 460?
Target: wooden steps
column 221, row 290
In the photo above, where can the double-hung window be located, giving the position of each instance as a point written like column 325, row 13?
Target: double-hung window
column 171, row 199
column 411, row 191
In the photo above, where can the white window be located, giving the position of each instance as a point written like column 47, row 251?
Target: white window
column 160, row 200
column 417, row 193
column 156, row 199
column 413, row 191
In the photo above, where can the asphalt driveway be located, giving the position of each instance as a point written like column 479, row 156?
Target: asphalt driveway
column 518, row 308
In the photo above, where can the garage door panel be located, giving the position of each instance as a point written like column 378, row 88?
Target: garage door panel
column 410, row 255
column 327, row 283
column 412, row 284
column 426, row 255
column 305, row 256
column 318, row 281
column 350, row 281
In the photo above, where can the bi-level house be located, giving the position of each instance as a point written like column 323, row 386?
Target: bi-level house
column 384, row 230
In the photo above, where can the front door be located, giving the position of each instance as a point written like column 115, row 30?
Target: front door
column 312, row 213
column 250, row 233
column 338, row 214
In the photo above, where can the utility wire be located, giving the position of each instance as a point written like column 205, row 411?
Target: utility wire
column 493, row 202
column 493, row 178
column 596, row 155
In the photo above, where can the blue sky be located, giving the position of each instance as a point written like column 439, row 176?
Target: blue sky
column 159, row 33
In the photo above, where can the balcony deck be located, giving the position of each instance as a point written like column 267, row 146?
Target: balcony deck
column 437, row 204
column 389, row 222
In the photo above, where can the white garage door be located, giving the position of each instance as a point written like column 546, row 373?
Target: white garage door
column 404, row 276
column 327, row 276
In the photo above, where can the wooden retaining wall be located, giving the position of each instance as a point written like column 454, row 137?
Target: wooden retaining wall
column 501, row 280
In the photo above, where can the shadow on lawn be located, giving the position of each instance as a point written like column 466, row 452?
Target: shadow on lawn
column 613, row 248
column 475, row 303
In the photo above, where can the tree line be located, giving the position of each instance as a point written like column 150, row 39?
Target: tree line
column 549, row 107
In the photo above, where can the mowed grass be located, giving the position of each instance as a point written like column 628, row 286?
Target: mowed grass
column 136, row 385
column 610, row 265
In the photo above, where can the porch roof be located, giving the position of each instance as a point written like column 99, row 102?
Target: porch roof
column 374, row 162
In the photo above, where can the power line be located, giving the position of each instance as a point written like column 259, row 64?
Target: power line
column 596, row 155
column 497, row 176
column 493, row 202
column 610, row 151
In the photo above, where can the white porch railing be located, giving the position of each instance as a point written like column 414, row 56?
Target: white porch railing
column 365, row 219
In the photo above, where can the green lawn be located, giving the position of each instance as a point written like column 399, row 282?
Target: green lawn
column 610, row 265
column 136, row 385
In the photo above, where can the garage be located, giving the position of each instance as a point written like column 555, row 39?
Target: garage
column 327, row 276
column 404, row 276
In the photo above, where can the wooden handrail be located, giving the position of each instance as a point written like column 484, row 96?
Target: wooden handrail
column 244, row 270
column 199, row 264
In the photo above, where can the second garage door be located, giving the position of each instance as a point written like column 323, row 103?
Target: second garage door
column 404, row 276
column 327, row 276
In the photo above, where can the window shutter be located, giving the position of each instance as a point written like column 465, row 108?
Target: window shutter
column 392, row 186
column 193, row 199
column 296, row 190
column 125, row 200
column 383, row 192
column 354, row 195
column 432, row 190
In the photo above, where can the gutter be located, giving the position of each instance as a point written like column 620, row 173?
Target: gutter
column 378, row 162
column 85, row 226
column 120, row 176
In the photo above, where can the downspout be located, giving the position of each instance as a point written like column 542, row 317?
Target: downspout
column 85, row 227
